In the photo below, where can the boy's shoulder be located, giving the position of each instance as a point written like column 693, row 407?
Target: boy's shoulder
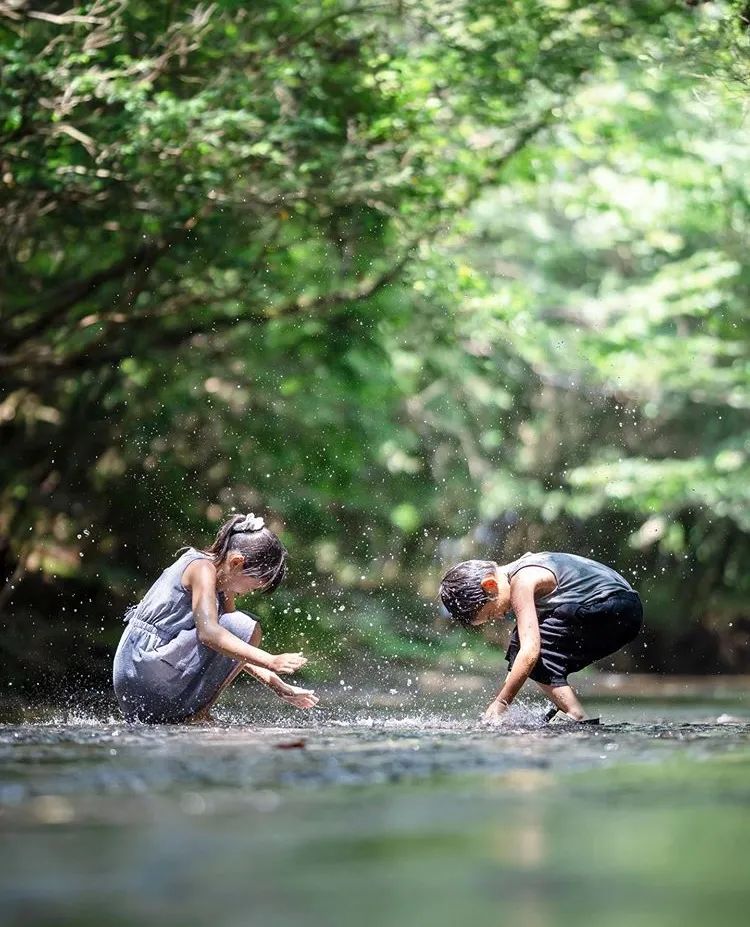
column 534, row 572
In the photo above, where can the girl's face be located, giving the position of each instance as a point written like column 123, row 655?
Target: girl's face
column 235, row 578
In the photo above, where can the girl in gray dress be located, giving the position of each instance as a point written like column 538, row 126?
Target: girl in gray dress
column 185, row 641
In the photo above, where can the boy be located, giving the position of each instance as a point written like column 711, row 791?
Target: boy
column 569, row 611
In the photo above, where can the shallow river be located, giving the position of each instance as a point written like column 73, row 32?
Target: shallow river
column 379, row 816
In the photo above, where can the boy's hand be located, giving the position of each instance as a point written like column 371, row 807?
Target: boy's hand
column 495, row 712
column 300, row 698
column 287, row 662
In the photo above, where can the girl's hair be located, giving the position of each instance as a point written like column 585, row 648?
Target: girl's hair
column 265, row 556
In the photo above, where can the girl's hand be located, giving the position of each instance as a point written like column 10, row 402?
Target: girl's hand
column 300, row 698
column 287, row 662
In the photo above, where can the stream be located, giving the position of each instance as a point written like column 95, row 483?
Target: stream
column 377, row 814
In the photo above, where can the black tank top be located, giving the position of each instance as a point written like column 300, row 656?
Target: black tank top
column 579, row 579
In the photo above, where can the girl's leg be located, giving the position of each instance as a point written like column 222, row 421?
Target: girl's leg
column 204, row 715
column 565, row 699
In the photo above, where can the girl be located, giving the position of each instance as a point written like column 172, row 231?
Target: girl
column 185, row 642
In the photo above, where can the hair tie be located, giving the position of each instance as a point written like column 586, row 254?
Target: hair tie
column 249, row 523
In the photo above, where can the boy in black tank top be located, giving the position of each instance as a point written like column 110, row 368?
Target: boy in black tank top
column 569, row 611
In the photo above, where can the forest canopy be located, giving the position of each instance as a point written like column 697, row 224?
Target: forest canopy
column 418, row 281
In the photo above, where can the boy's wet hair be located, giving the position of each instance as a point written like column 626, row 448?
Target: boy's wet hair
column 264, row 554
column 461, row 589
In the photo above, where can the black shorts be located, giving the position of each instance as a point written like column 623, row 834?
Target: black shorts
column 574, row 636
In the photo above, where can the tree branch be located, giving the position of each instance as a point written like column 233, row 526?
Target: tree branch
column 75, row 291
column 88, row 358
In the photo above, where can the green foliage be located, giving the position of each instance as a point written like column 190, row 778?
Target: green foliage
column 619, row 246
column 385, row 272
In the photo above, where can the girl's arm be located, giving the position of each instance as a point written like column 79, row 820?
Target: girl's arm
column 200, row 576
column 300, row 698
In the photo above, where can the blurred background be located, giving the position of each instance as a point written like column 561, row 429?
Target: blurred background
column 417, row 281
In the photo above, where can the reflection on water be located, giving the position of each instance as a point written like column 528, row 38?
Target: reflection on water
column 384, row 818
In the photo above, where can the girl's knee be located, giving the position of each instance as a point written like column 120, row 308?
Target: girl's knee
column 241, row 625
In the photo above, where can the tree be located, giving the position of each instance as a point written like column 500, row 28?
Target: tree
column 225, row 234
column 620, row 242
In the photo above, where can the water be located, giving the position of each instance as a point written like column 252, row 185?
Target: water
column 379, row 815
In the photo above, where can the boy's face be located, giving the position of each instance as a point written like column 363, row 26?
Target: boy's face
column 497, row 587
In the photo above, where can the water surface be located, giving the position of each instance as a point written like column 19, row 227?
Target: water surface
column 382, row 815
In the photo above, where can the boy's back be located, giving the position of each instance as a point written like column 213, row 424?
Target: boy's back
column 579, row 580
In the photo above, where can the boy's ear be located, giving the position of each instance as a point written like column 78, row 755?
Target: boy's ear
column 489, row 584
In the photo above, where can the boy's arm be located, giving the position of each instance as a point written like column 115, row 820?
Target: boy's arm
column 524, row 585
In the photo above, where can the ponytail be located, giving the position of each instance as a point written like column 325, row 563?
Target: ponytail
column 264, row 554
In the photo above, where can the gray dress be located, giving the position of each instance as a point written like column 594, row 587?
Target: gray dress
column 161, row 671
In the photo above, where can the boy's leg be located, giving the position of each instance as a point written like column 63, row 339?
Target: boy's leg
column 564, row 698
column 205, row 713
